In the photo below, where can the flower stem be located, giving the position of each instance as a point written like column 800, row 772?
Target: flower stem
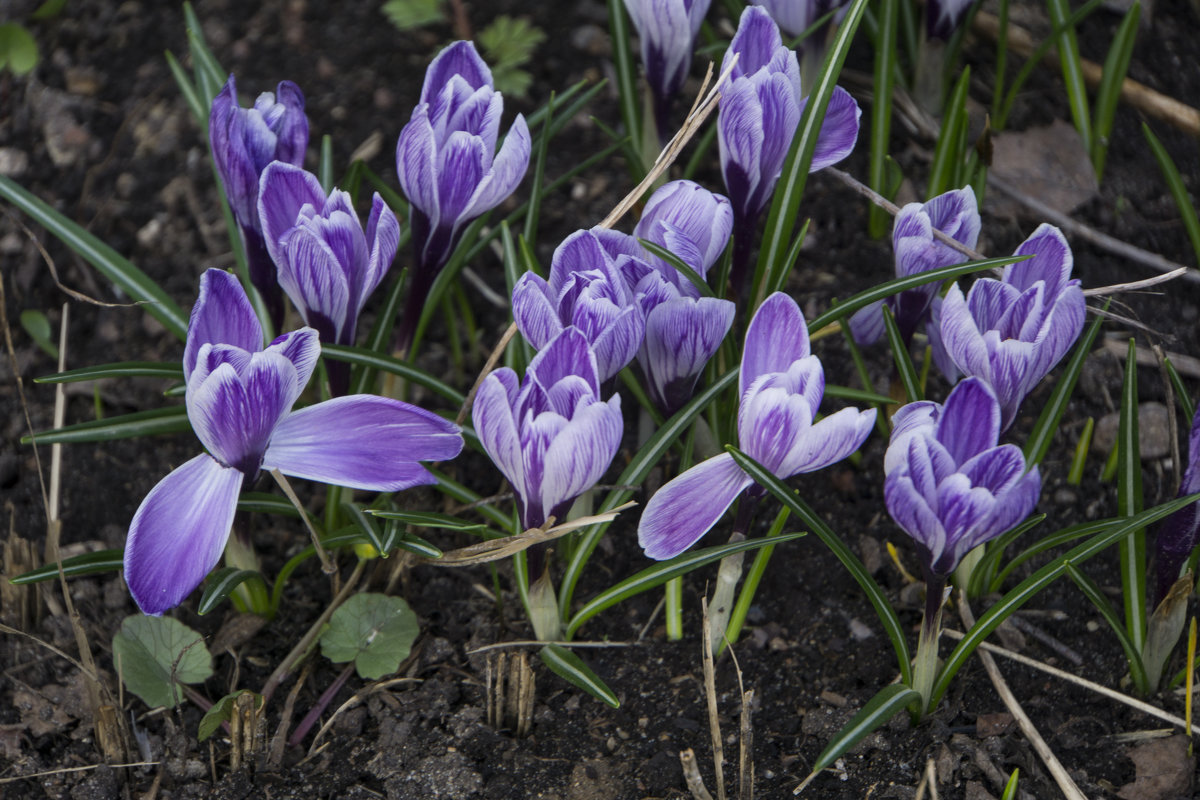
column 925, row 667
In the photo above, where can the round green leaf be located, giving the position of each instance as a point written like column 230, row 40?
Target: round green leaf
column 18, row 50
column 154, row 655
column 374, row 631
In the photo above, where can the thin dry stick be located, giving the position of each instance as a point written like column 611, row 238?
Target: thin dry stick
column 746, row 740
column 326, row 565
column 1065, row 783
column 534, row 643
column 1123, row 249
column 691, row 775
column 65, row 770
column 1111, row 694
column 710, row 694
column 358, row 697
column 1131, row 286
column 1136, row 94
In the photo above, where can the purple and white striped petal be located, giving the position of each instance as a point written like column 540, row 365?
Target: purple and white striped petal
column 222, row 315
column 970, row 421
column 689, row 506
column 581, row 452
column 828, row 441
column 839, row 130
column 493, row 419
column 777, row 337
column 457, row 59
column 283, row 191
column 681, row 336
column 534, row 310
column 416, row 164
column 683, row 213
column 363, row 442
column 179, row 531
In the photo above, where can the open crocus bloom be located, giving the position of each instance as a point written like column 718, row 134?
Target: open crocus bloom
column 781, row 385
column 552, row 436
column 1011, row 332
column 239, row 401
column 949, row 485
column 689, row 221
column 326, row 264
column 244, row 141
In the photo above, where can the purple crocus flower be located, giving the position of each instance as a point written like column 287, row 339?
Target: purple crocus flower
column 949, row 485
column 781, row 385
column 445, row 162
column 942, row 17
column 244, row 141
column 552, row 436
column 667, row 30
column 759, row 111
column 585, row 290
column 1180, row 532
column 954, row 213
column 326, row 264
column 239, row 401
column 794, row 17
column 689, row 221
column 1011, row 332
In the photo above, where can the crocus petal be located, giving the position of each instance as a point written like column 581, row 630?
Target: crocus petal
column 970, row 422
column 416, row 164
column 681, row 336
column 459, row 58
column 460, row 169
column 911, row 511
column 383, row 236
column 867, row 325
column 755, row 42
column 507, row 170
column 689, row 506
column 492, row 416
column 314, row 280
column 179, row 531
column 912, row 419
column 534, row 311
column 581, row 452
column 1051, row 263
column 364, row 442
column 222, row 315
column 839, row 130
column 829, row 441
column 776, row 337
column 283, row 191
column 302, row 348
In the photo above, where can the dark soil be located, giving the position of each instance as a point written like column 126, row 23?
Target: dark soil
column 100, row 132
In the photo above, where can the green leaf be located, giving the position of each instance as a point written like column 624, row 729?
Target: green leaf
column 266, row 503
column 627, row 94
column 118, row 369
column 1108, row 94
column 889, row 702
column 155, row 654
column 38, row 327
column 426, row 519
column 1183, row 201
column 663, row 571
column 49, row 9
column 1132, row 548
column 863, row 299
column 107, row 261
column 18, row 50
column 679, row 264
column 362, row 357
column 409, row 14
column 571, row 668
column 881, row 113
column 1137, row 669
column 904, row 364
column 374, row 631
column 73, row 567
column 1072, row 68
column 368, row 526
column 947, row 154
column 222, row 711
column 1010, row 788
column 221, row 583
column 172, row 419
column 879, row 600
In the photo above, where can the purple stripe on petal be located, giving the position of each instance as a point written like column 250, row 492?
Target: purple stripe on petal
column 970, row 422
column 689, row 506
column 179, row 531
column 364, row 442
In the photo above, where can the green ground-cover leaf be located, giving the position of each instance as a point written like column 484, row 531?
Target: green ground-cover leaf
column 374, row 631
column 154, row 655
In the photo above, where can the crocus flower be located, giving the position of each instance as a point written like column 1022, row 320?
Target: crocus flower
column 1180, row 532
column 239, row 401
column 781, row 385
column 244, row 141
column 448, row 165
column 759, row 112
column 954, row 213
column 667, row 30
column 942, row 17
column 326, row 264
column 585, row 290
column 689, row 221
column 551, row 436
column 1011, row 332
column 949, row 484
column 794, row 17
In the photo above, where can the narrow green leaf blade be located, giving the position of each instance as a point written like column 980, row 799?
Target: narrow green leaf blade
column 172, row 419
column 889, row 702
column 73, row 567
column 1132, row 548
column 573, row 670
column 362, row 357
column 221, row 583
column 118, row 369
column 427, row 519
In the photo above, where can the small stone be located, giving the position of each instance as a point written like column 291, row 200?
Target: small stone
column 1153, row 439
column 1065, row 496
column 13, row 162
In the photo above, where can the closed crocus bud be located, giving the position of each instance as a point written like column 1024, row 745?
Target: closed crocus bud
column 586, row 291
column 448, row 166
column 955, row 214
column 759, row 111
column 667, row 30
column 942, row 17
column 551, row 434
column 244, row 141
column 327, row 264
column 1011, row 332
column 949, row 485
column 688, row 220
column 781, row 384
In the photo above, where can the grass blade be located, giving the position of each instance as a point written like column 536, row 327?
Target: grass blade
column 1132, row 548
column 1187, row 211
column 118, row 369
column 627, row 93
column 1108, row 94
column 73, row 567
column 1068, row 53
column 947, row 153
column 573, row 670
column 904, row 364
column 172, row 419
column 1137, row 670
column 221, row 583
column 889, row 702
column 881, row 113
column 363, row 357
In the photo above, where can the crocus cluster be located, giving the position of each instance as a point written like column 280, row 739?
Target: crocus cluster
column 244, row 141
column 448, row 166
column 326, row 264
column 781, row 384
column 239, row 402
column 1011, row 332
column 628, row 302
column 955, row 214
column 759, row 112
column 667, row 30
column 551, row 435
